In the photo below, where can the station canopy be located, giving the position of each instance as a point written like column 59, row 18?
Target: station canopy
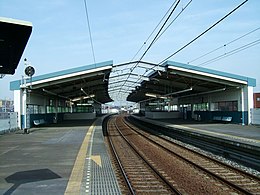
column 183, row 80
column 14, row 35
column 76, row 84
column 127, row 77
column 133, row 81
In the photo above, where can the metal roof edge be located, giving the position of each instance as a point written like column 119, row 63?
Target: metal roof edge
column 73, row 70
column 15, row 85
column 250, row 81
column 15, row 21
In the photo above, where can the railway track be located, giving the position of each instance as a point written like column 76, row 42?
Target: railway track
column 242, row 153
column 138, row 173
column 235, row 178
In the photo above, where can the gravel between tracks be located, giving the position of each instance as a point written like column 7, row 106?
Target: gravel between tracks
column 188, row 179
column 220, row 158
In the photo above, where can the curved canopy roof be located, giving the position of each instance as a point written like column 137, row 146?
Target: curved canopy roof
column 146, row 81
column 72, row 84
column 180, row 80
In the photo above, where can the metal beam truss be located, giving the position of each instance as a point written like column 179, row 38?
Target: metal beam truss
column 125, row 77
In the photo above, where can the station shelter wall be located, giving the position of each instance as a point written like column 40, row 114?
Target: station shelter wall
column 227, row 103
column 233, row 103
column 48, row 108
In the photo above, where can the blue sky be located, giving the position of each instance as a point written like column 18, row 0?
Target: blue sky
column 60, row 38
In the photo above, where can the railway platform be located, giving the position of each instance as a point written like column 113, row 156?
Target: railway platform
column 244, row 134
column 71, row 158
column 67, row 158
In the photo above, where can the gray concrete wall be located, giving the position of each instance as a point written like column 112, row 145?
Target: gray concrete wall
column 8, row 122
column 255, row 114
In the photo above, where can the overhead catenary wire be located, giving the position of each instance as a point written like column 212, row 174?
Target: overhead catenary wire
column 89, row 30
column 153, row 31
column 166, row 20
column 182, row 10
column 219, row 21
column 158, row 26
column 204, row 32
column 232, row 52
column 218, row 48
column 145, row 42
column 160, row 34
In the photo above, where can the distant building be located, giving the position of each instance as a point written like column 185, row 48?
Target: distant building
column 6, row 105
column 256, row 100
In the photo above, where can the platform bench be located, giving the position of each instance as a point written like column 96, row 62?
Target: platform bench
column 227, row 118
column 39, row 122
column 222, row 118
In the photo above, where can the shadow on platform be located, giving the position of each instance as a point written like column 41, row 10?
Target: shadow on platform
column 24, row 177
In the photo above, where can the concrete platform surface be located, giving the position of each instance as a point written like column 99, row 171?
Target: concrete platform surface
column 249, row 134
column 40, row 162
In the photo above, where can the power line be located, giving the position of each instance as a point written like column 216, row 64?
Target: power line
column 166, row 29
column 232, row 52
column 223, row 45
column 159, row 30
column 134, row 66
column 153, row 30
column 174, row 19
column 204, row 32
column 89, row 30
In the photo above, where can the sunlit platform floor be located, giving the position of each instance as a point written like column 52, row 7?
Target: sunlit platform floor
column 248, row 134
column 67, row 158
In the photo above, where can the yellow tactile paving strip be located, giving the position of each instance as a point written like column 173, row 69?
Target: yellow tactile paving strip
column 76, row 176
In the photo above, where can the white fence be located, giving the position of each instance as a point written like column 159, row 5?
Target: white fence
column 255, row 114
column 8, row 122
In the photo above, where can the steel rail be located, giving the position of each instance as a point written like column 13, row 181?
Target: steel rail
column 172, row 188
column 205, row 156
column 195, row 165
column 244, row 155
column 130, row 187
column 210, row 158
